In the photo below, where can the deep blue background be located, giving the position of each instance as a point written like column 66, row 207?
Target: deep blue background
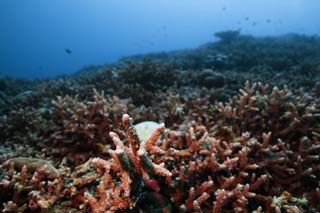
column 35, row 33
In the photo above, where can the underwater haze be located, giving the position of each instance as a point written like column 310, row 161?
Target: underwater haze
column 49, row 38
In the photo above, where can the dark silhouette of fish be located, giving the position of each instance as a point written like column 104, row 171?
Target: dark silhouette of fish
column 68, row 51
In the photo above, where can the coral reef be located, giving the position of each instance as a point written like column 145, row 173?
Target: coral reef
column 150, row 136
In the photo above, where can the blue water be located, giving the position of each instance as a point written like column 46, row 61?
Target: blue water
column 35, row 34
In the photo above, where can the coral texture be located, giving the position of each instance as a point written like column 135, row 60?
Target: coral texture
column 197, row 134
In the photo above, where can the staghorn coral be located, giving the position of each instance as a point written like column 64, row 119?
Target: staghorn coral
column 131, row 165
column 35, row 165
column 233, row 181
column 221, row 162
column 222, row 149
column 83, row 125
column 36, row 186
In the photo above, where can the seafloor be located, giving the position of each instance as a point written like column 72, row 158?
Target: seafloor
column 236, row 128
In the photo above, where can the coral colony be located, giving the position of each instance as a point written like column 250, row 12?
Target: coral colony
column 214, row 129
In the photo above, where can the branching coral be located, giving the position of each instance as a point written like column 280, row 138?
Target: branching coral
column 241, row 155
column 220, row 174
column 132, row 167
column 279, row 112
column 65, row 148
column 83, row 125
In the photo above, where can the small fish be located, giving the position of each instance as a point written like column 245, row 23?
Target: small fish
column 68, row 51
column 268, row 21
